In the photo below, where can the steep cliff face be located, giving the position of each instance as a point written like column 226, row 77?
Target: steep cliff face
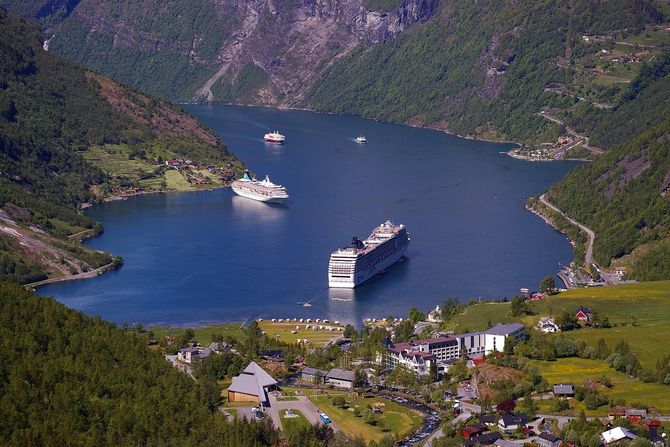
column 279, row 47
column 245, row 51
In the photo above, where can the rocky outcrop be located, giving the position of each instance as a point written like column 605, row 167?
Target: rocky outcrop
column 292, row 45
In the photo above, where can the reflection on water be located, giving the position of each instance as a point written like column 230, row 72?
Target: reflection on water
column 244, row 208
column 342, row 305
column 341, row 294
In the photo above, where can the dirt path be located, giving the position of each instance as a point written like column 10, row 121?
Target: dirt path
column 572, row 132
column 83, row 275
column 83, row 234
column 588, row 257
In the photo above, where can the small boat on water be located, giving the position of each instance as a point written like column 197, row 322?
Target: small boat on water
column 361, row 139
column 263, row 191
column 274, row 137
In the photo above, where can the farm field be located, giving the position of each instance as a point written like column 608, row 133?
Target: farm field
column 633, row 392
column 637, row 312
column 394, row 418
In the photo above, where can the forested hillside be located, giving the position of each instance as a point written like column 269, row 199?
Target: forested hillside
column 58, row 127
column 477, row 68
column 625, row 195
column 73, row 380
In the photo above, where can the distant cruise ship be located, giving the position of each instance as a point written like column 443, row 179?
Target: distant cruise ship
column 355, row 264
column 263, row 191
column 274, row 137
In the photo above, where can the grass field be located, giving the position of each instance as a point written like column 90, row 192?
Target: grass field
column 295, row 423
column 645, row 304
column 284, row 332
column 395, row 419
column 175, row 180
column 577, row 371
column 203, row 333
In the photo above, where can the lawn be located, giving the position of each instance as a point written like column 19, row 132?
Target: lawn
column 394, row 418
column 283, row 331
column 578, row 370
column 202, row 333
column 295, row 423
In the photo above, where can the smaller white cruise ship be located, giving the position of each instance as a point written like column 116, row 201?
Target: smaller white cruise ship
column 361, row 260
column 263, row 191
column 361, row 139
column 274, row 137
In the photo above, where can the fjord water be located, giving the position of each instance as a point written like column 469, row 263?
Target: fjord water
column 211, row 256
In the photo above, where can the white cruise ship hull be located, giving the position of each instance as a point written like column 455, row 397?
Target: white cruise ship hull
column 259, row 197
column 358, row 278
column 349, row 271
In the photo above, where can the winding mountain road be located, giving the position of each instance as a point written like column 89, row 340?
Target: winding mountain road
column 588, row 257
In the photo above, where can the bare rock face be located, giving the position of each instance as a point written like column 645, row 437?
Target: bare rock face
column 279, row 47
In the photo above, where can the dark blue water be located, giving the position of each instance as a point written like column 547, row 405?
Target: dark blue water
column 212, row 256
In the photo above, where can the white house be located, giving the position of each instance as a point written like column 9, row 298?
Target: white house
column 435, row 316
column 547, row 325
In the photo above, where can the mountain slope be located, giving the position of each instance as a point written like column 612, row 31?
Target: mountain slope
column 53, row 116
column 73, row 380
column 625, row 195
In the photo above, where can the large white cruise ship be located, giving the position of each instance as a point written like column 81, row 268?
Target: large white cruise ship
column 355, row 264
column 263, row 191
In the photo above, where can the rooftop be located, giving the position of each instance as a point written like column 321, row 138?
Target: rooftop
column 617, row 434
column 505, row 329
column 313, row 371
column 252, row 381
column 340, row 374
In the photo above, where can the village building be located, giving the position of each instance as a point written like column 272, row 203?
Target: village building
column 252, row 385
column 194, row 354
column 340, row 378
column 512, row 422
column 472, row 343
column 564, row 390
column 506, row 443
column 483, row 439
column 313, row 375
column 547, row 325
column 584, row 314
column 636, row 414
column 617, row 435
column 435, row 315
column 498, row 334
column 547, row 440
column 474, row 430
column 421, row 356
column 488, row 419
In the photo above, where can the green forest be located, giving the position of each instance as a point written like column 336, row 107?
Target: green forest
column 73, row 380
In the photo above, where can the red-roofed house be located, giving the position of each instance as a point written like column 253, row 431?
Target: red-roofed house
column 584, row 314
